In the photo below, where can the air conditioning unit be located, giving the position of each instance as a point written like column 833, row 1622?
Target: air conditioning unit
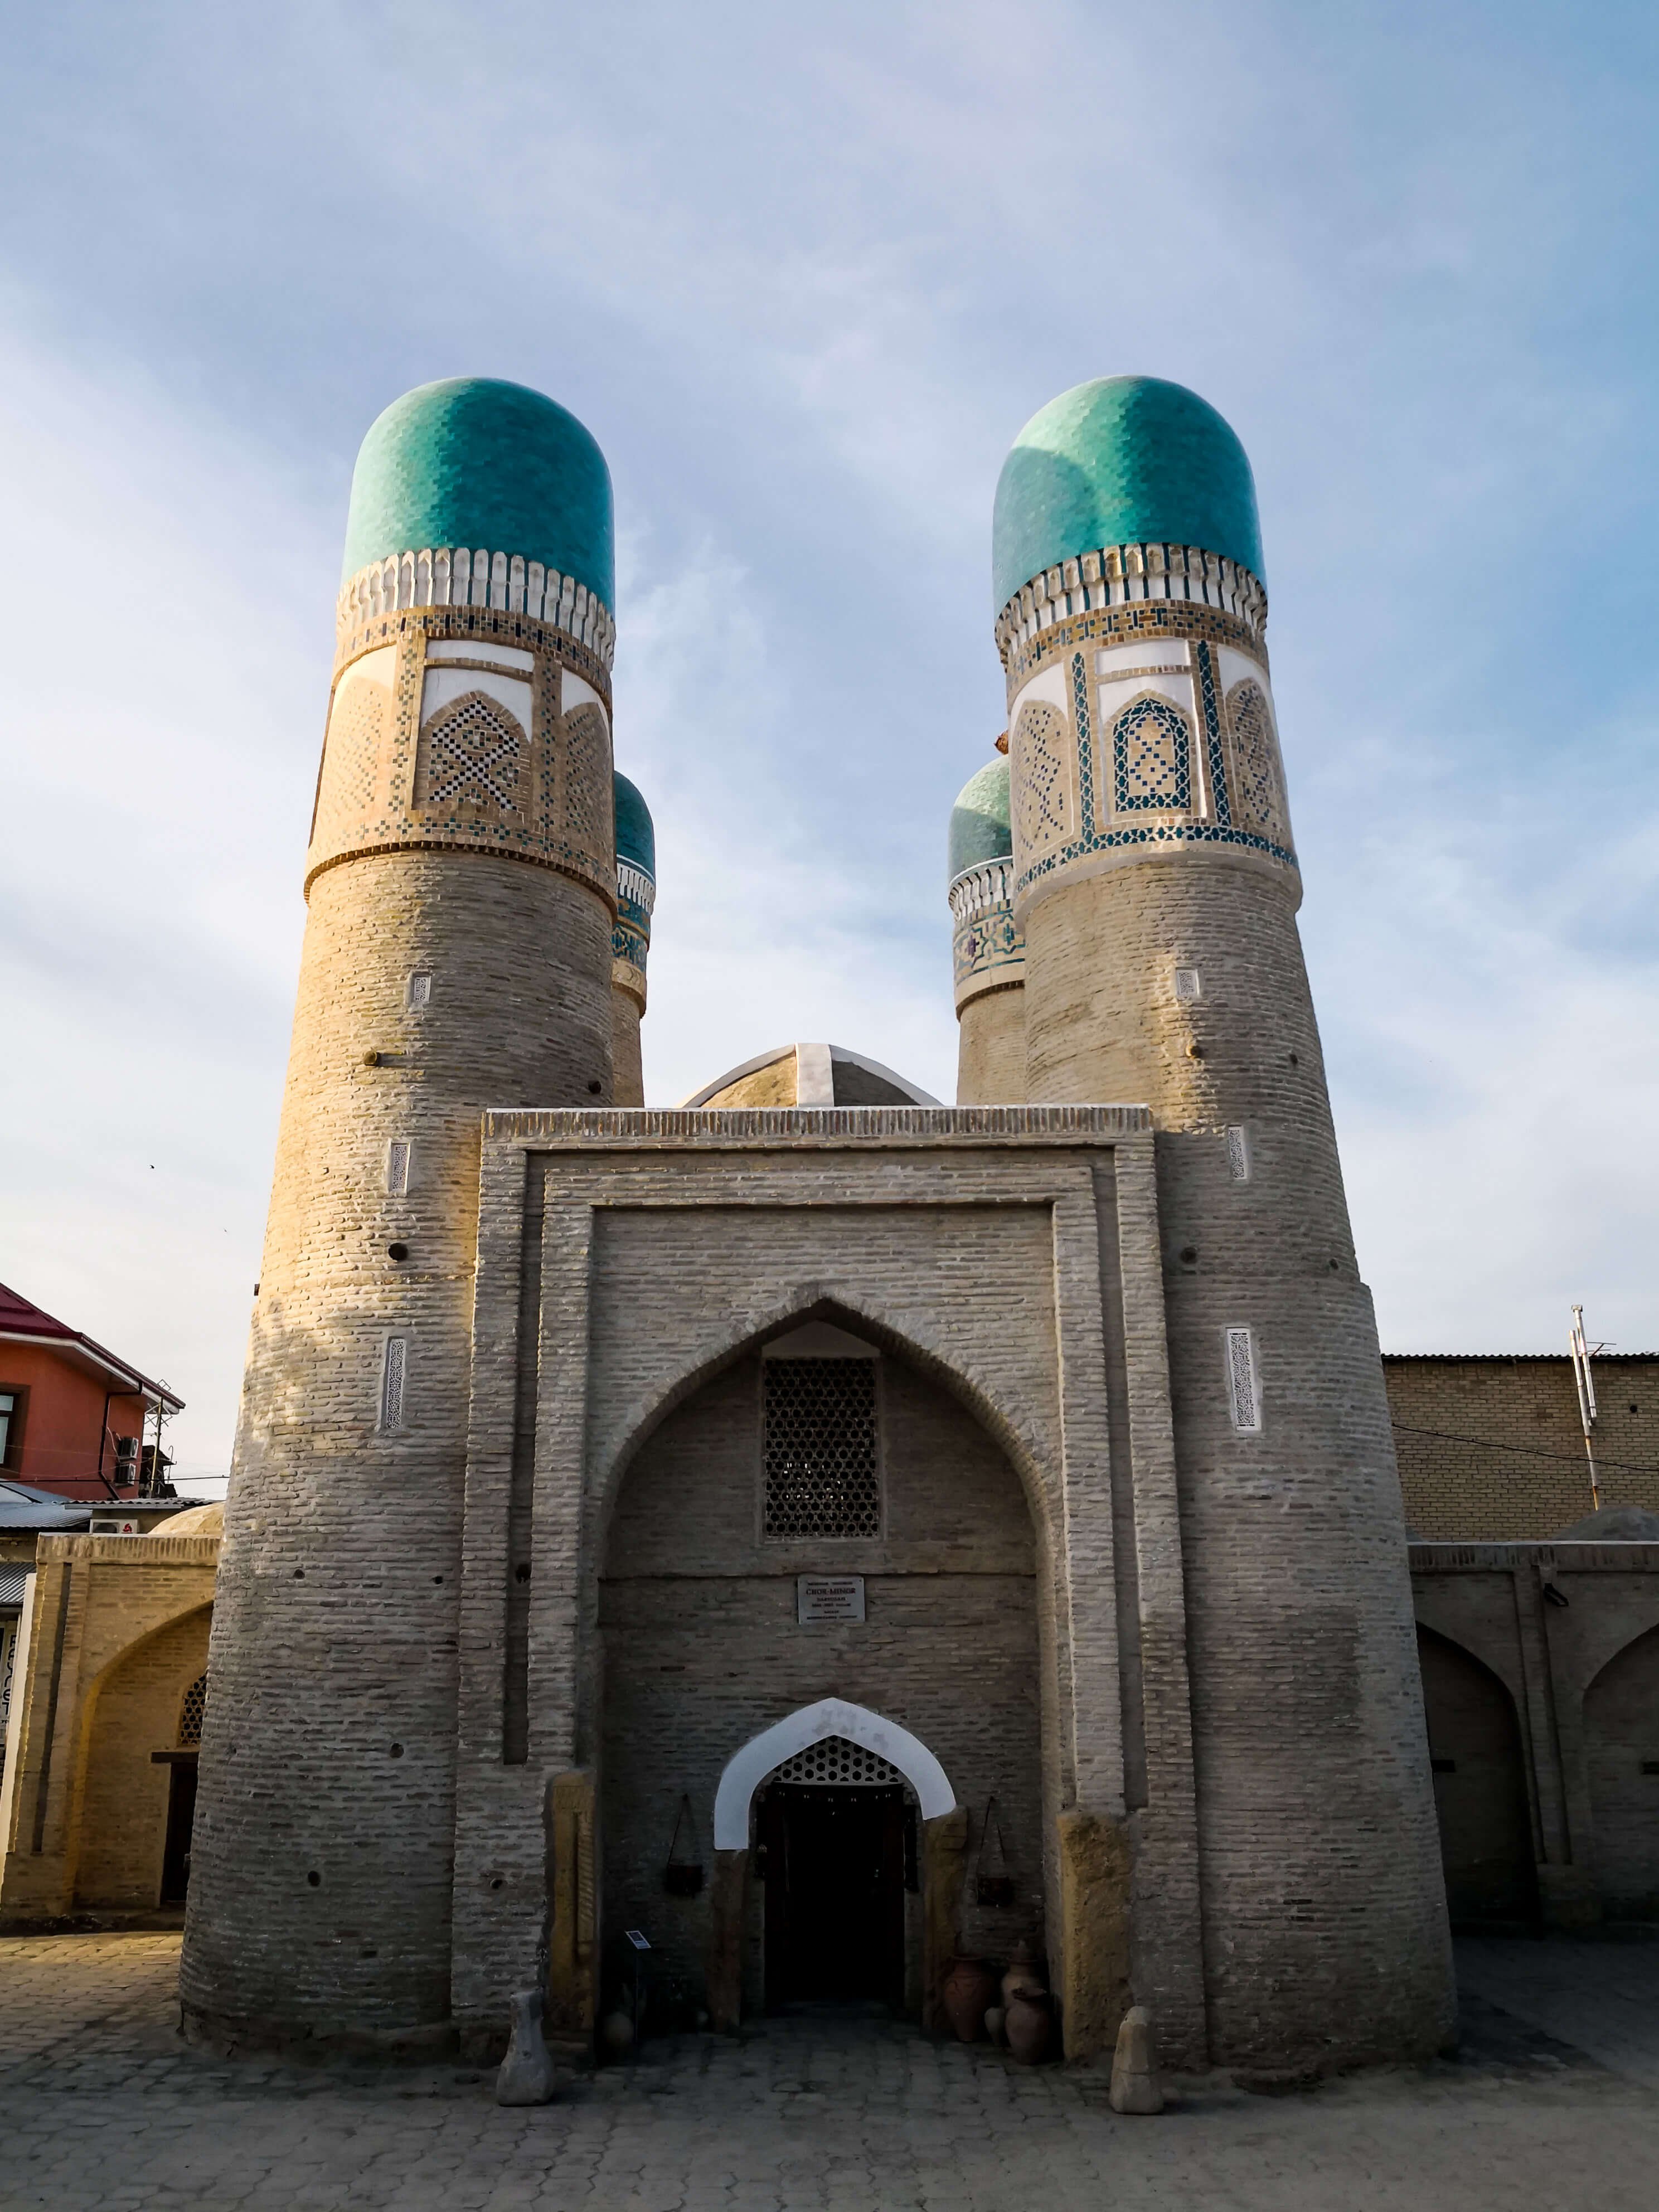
column 115, row 1524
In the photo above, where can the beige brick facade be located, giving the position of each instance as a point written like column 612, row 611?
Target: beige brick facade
column 1491, row 1450
column 114, row 1634
column 990, row 1049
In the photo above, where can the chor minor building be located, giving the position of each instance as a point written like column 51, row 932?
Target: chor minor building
column 831, row 1531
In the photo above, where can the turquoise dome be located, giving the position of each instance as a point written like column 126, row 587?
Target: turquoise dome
column 980, row 828
column 475, row 462
column 636, row 836
column 1125, row 460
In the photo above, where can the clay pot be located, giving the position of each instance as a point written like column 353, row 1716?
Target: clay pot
column 1024, row 1972
column 1028, row 2027
column 995, row 2017
column 969, row 1989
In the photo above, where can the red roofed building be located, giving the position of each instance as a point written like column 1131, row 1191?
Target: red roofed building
column 73, row 1417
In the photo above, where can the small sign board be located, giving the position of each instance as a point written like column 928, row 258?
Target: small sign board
column 828, row 1597
column 638, row 1938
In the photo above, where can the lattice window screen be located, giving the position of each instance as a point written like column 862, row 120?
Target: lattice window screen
column 396, row 1168
column 821, row 1474
column 1187, row 987
column 1239, row 1155
column 835, row 1762
column 191, row 1713
column 1242, row 1382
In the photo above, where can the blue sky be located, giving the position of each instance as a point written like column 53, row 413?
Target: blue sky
column 804, row 274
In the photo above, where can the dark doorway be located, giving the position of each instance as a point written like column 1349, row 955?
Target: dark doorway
column 181, row 1819
column 1479, row 1788
column 835, row 1866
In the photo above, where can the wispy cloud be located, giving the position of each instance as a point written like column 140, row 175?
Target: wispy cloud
column 805, row 276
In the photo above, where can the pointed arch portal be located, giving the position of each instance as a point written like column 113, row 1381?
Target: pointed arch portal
column 747, row 1769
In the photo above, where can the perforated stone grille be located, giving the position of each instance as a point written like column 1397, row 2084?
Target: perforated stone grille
column 191, row 1713
column 821, row 1475
column 835, row 1761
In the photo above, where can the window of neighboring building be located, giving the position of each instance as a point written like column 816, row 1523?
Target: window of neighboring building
column 191, row 1710
column 821, row 1465
column 12, row 1401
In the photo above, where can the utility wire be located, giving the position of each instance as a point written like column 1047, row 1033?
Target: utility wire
column 1525, row 1452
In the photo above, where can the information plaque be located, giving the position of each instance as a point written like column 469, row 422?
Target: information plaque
column 828, row 1597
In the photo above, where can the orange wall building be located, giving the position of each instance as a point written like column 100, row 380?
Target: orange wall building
column 73, row 1417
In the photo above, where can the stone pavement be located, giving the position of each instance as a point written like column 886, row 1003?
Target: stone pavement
column 101, row 2107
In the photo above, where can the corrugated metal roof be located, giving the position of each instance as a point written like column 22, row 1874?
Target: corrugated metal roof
column 1517, row 1358
column 13, row 1581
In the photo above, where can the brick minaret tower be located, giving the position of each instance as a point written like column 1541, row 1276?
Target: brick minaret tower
column 458, row 955
column 988, row 952
column 1157, row 885
column 637, row 895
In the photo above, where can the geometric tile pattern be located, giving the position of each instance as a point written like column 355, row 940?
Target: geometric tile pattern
column 1151, row 758
column 1260, row 802
column 557, row 812
column 1045, row 809
column 1219, row 806
column 1172, row 835
column 472, row 755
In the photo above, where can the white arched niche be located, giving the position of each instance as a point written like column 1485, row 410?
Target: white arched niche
column 749, row 1767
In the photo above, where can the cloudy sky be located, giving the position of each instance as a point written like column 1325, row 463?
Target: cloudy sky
column 804, row 273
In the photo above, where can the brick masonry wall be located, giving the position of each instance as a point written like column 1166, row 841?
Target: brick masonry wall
column 1570, row 1631
column 626, row 1068
column 320, row 1888
column 100, row 1604
column 702, row 1648
column 1491, row 1449
column 990, row 1049
column 968, row 1245
column 123, row 1812
column 1324, row 1918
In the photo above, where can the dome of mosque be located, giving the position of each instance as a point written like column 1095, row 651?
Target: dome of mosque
column 636, row 836
column 980, row 820
column 809, row 1075
column 1124, row 460
column 473, row 461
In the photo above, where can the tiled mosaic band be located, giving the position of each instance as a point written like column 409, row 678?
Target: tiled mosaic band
column 630, row 935
column 448, row 735
column 446, row 577
column 988, row 952
column 1146, row 747
column 1120, row 575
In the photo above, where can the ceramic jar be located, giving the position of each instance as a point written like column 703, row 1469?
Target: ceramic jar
column 1023, row 1972
column 969, row 1989
column 1028, row 2027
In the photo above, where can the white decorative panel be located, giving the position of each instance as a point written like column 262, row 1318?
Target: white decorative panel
column 393, row 1377
column 1243, row 1389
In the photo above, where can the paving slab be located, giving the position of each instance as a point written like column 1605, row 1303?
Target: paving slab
column 1553, row 2105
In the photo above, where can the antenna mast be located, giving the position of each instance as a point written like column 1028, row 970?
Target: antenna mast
column 1581, row 1376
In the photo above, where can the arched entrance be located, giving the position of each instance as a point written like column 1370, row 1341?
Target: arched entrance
column 837, row 1794
column 1621, row 1740
column 820, row 1542
column 1479, row 1787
